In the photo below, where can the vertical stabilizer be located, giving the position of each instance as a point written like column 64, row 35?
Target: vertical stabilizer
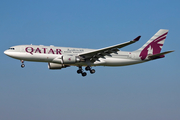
column 154, row 45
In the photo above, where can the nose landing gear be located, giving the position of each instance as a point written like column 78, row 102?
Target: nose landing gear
column 22, row 65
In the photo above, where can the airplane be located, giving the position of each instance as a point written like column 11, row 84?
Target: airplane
column 62, row 57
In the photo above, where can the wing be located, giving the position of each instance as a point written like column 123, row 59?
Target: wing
column 95, row 54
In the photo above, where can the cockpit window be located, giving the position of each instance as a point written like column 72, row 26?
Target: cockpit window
column 11, row 48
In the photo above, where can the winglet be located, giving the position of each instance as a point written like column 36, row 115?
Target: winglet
column 137, row 38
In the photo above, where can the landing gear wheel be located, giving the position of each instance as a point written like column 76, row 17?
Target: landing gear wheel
column 22, row 65
column 79, row 71
column 87, row 68
column 84, row 74
column 92, row 71
column 22, row 61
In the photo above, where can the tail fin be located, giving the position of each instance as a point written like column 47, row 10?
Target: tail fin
column 154, row 45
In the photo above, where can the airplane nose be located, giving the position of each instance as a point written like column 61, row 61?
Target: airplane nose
column 6, row 52
column 9, row 53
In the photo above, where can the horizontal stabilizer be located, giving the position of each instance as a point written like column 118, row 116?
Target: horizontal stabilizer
column 160, row 55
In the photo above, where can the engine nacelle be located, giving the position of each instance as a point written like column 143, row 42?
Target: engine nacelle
column 70, row 59
column 56, row 66
column 66, row 59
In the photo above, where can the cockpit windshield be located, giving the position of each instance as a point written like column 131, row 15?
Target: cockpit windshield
column 11, row 48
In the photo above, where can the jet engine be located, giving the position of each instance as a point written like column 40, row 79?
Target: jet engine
column 63, row 62
column 70, row 59
column 56, row 66
column 67, row 59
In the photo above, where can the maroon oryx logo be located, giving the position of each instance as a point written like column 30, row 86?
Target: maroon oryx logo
column 154, row 47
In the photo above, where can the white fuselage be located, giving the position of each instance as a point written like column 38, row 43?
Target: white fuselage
column 51, row 53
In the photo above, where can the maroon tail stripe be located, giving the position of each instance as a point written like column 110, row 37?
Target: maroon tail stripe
column 161, row 36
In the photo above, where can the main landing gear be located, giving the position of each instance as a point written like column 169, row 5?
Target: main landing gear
column 88, row 68
column 22, row 65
